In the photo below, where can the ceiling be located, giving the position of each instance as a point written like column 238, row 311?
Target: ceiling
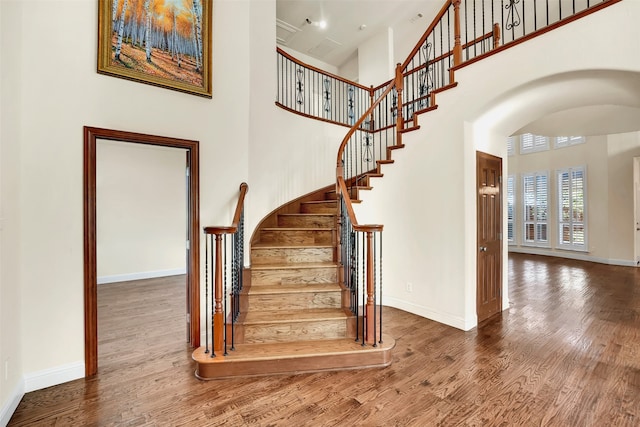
column 349, row 23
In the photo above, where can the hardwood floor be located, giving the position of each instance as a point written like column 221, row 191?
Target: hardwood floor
column 567, row 353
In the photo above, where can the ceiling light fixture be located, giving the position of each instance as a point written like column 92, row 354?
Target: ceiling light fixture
column 321, row 24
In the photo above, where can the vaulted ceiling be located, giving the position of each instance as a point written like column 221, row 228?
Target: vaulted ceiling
column 348, row 24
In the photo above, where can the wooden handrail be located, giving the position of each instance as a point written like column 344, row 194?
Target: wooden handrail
column 426, row 34
column 218, row 326
column 318, row 70
column 218, row 229
column 369, row 228
column 357, row 124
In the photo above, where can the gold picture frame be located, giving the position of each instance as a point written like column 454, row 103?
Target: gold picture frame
column 177, row 57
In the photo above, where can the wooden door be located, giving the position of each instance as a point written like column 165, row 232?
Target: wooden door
column 489, row 240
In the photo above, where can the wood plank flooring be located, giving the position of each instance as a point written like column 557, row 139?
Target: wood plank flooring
column 567, row 353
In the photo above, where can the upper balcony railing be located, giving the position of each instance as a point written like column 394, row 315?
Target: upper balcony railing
column 311, row 92
column 463, row 31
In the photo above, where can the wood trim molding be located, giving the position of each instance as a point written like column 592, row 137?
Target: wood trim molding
column 91, row 134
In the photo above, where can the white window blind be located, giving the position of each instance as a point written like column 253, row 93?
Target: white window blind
column 511, row 145
column 536, row 208
column 530, row 143
column 511, row 203
column 566, row 141
column 572, row 207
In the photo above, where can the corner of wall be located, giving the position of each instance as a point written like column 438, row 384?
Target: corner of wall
column 11, row 404
column 53, row 376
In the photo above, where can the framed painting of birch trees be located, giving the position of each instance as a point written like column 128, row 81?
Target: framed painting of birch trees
column 165, row 43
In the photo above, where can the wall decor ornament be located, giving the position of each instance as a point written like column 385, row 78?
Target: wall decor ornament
column 165, row 43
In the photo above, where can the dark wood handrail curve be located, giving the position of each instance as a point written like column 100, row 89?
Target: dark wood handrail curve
column 217, row 229
column 427, row 33
column 342, row 185
column 357, row 124
column 318, row 70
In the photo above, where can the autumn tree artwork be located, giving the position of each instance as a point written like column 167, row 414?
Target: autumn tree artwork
column 161, row 42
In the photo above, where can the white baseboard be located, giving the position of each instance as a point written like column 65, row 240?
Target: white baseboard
column 53, row 376
column 447, row 319
column 142, row 275
column 580, row 256
column 12, row 403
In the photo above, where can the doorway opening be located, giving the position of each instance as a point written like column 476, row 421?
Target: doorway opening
column 91, row 135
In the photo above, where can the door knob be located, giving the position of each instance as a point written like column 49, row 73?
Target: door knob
column 483, row 249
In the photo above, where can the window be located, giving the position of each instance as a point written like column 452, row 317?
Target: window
column 536, row 208
column 572, row 228
column 511, row 203
column 511, row 146
column 530, row 143
column 566, row 141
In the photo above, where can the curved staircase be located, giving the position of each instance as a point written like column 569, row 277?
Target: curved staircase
column 294, row 313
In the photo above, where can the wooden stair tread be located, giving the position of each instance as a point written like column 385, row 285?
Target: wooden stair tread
column 293, row 316
column 308, row 214
column 294, row 288
column 288, row 350
column 410, row 129
column 280, row 266
column 312, row 202
column 297, row 228
column 289, row 358
column 269, row 245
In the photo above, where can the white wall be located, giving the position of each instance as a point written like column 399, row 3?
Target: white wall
column 141, row 211
column 298, row 55
column 42, row 120
column 621, row 149
column 289, row 155
column 375, row 59
column 11, row 385
column 494, row 98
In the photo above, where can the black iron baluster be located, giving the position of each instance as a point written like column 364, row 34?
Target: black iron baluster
column 513, row 17
column 299, row 86
column 224, row 292
column 547, row 1
column 213, row 298
column 560, row 10
column 524, row 25
column 475, row 31
column 327, row 96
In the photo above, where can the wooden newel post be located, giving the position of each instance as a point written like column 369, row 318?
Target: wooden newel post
column 496, row 35
column 218, row 313
column 457, row 46
column 370, row 305
column 399, row 82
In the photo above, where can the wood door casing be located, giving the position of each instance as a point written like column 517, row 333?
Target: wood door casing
column 91, row 135
column 489, row 236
